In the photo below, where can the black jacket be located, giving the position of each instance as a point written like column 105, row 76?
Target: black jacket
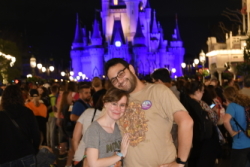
column 15, row 144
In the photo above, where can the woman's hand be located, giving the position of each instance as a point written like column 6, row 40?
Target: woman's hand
column 233, row 133
column 125, row 144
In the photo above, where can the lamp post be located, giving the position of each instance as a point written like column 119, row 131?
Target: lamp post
column 183, row 65
column 33, row 64
column 202, row 60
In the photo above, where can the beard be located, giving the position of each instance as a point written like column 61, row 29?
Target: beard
column 131, row 83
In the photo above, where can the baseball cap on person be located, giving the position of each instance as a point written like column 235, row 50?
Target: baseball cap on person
column 33, row 93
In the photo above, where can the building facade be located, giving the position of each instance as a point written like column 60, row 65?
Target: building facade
column 129, row 30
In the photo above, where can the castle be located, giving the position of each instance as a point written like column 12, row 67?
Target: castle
column 129, row 31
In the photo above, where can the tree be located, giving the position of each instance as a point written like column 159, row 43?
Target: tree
column 244, row 67
column 9, row 47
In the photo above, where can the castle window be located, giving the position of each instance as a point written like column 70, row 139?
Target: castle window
column 115, row 2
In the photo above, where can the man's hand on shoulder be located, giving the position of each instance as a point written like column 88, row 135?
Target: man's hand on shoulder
column 172, row 164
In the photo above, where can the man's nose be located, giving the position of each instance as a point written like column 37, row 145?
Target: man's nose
column 120, row 80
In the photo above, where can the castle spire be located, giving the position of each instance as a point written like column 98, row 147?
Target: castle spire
column 139, row 33
column 177, row 35
column 139, row 38
column 78, row 31
column 154, row 25
column 148, row 4
column 96, row 30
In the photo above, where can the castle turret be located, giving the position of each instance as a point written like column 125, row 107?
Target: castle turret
column 132, row 8
column 154, row 35
column 139, row 49
column 96, row 51
column 176, row 47
column 147, row 10
column 77, row 48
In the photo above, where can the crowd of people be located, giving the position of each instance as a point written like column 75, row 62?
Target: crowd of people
column 125, row 121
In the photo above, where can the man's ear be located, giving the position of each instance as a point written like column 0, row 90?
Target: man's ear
column 131, row 68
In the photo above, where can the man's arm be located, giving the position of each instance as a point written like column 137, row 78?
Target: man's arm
column 185, row 136
column 185, row 133
column 74, row 117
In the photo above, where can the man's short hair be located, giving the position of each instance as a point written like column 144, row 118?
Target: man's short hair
column 54, row 88
column 84, row 86
column 162, row 74
column 96, row 82
column 247, row 81
column 113, row 62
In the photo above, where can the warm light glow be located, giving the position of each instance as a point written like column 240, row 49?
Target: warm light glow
column 115, row 2
column 78, row 78
column 29, row 76
column 39, row 66
column 225, row 52
column 183, row 65
column 80, row 73
column 51, row 68
column 71, row 78
column 196, row 61
column 103, row 76
column 56, row 80
column 83, row 76
column 202, row 57
column 173, row 70
column 71, row 73
column 43, row 69
column 63, row 73
column 32, row 62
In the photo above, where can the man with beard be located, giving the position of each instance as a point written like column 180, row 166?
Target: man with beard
column 149, row 118
column 82, row 103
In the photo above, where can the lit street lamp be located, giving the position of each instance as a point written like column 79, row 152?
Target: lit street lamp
column 63, row 73
column 202, row 60
column 183, row 65
column 51, row 68
column 33, row 64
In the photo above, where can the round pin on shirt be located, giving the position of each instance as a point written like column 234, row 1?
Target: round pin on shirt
column 146, row 105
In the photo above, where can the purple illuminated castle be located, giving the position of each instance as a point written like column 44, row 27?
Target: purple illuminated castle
column 130, row 32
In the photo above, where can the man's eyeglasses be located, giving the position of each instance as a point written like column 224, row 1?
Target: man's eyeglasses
column 120, row 74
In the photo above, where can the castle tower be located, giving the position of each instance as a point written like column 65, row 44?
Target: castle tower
column 77, row 48
column 176, row 48
column 154, row 35
column 132, row 8
column 148, row 21
column 140, row 50
column 96, row 51
column 163, row 60
column 118, row 46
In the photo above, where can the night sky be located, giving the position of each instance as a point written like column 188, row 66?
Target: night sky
column 45, row 28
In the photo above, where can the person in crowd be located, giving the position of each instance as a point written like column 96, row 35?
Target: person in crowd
column 45, row 157
column 44, row 96
column 67, row 125
column 82, row 103
column 149, row 117
column 162, row 76
column 205, row 137
column 20, row 136
column 40, row 112
column 87, row 117
column 59, row 116
column 246, row 89
column 72, row 87
column 103, row 138
column 235, row 117
column 99, row 90
column 51, row 124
